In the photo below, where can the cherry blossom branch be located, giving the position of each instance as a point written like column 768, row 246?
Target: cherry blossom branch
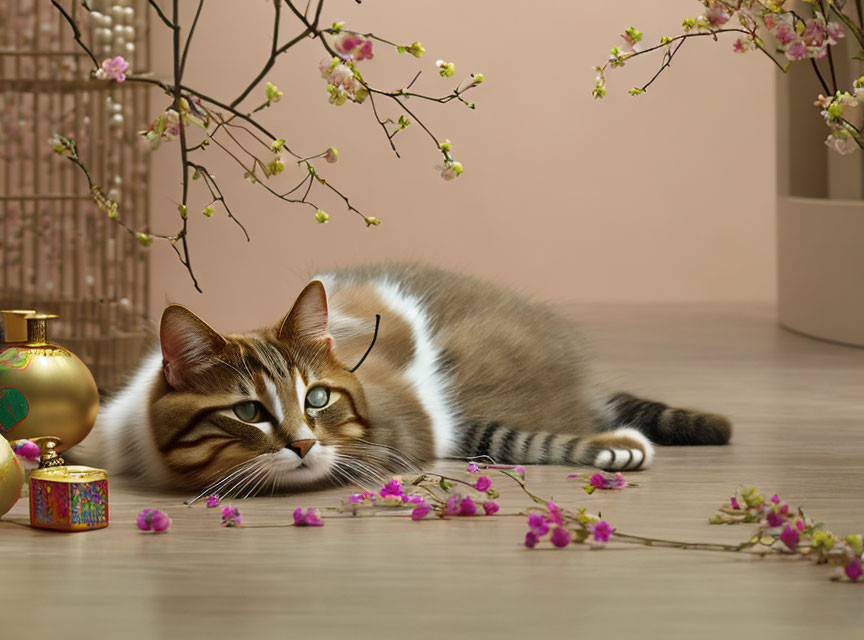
column 214, row 116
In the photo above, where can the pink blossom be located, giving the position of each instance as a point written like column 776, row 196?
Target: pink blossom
column 467, row 507
column 483, row 483
column 213, row 501
column 602, row 531
column 775, row 519
column 412, row 499
column 538, row 524
column 309, row 519
column 554, row 513
column 354, row 498
column 799, row 524
column 153, row 520
column 453, row 505
column 597, row 480
column 853, row 570
column 473, row 468
column 813, row 34
column 490, row 508
column 734, row 502
column 775, row 499
column 231, row 516
column 785, row 34
column 113, row 69
column 560, row 537
column 835, row 32
column 420, row 511
column 531, row 539
column 741, row 45
column 393, row 488
column 26, row 449
column 789, row 537
column 520, row 470
column 716, row 15
column 352, row 45
column 797, row 50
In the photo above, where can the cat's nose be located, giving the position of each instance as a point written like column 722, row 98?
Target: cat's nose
column 301, row 447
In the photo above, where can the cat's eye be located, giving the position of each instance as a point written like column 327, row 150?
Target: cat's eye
column 317, row 397
column 249, row 411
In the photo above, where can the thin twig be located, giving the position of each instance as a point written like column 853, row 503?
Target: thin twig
column 76, row 32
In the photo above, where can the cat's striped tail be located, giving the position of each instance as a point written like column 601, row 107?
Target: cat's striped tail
column 666, row 425
column 616, row 450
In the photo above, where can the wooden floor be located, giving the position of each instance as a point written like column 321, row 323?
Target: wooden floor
column 798, row 408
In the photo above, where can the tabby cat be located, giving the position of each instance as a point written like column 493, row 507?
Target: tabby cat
column 459, row 368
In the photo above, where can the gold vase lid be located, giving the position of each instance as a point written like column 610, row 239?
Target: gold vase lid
column 15, row 321
column 37, row 328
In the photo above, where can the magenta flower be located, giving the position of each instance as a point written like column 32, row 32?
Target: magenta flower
column 853, row 570
column 602, row 531
column 420, row 511
column 554, row 513
column 113, row 69
column 467, row 507
column 538, row 524
column 598, row 481
column 734, row 503
column 775, row 519
column 153, row 520
column 799, row 524
column 309, row 519
column 520, row 470
column 775, row 499
column 231, row 516
column 473, row 468
column 453, row 505
column 26, row 449
column 213, row 501
column 531, row 539
column 785, row 34
column 483, row 483
column 393, row 488
column 490, row 508
column 354, row 498
column 413, row 499
column 560, row 537
column 789, row 537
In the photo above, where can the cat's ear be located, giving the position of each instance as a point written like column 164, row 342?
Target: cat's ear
column 188, row 345
column 307, row 320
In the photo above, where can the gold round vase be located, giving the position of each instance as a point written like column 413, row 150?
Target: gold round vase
column 11, row 477
column 44, row 388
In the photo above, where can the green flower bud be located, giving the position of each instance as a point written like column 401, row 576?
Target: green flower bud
column 208, row 211
column 416, row 49
column 336, row 27
column 277, row 145
column 145, row 240
column 321, row 216
column 478, row 77
column 372, row 222
column 182, row 209
column 273, row 93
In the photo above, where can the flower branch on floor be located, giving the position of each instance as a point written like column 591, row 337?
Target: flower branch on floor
column 777, row 30
column 261, row 155
column 780, row 529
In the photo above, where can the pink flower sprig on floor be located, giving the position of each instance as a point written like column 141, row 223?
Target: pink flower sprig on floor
column 113, row 69
column 562, row 527
column 311, row 518
column 603, row 481
column 153, row 520
column 213, row 501
column 231, row 516
column 26, row 450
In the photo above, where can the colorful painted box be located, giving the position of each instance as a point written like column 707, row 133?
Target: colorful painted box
column 69, row 498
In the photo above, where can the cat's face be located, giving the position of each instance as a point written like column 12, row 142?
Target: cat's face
column 268, row 411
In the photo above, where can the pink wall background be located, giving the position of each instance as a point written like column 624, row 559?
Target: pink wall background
column 668, row 196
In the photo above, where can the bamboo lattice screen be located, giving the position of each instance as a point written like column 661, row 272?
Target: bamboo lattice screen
column 58, row 252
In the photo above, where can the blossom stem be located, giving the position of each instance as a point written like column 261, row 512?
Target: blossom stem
column 76, row 32
column 162, row 16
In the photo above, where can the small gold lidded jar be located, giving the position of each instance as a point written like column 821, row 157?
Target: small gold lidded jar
column 67, row 497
